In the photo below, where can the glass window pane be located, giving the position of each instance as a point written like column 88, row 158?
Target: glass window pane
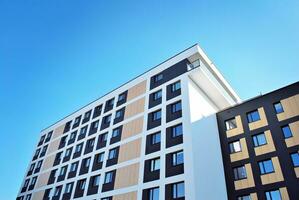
column 295, row 159
column 287, row 132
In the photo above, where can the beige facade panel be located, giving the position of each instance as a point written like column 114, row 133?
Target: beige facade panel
column 48, row 162
column 122, row 179
column 260, row 123
column 242, row 154
column 267, row 148
column 284, row 193
column 236, row 131
column 253, row 196
column 53, row 146
column 136, row 90
column 42, row 179
column 274, row 177
column 132, row 128
column 126, row 196
column 38, row 195
column 58, row 131
column 297, row 172
column 293, row 141
column 245, row 183
column 134, row 108
column 129, row 151
column 290, row 106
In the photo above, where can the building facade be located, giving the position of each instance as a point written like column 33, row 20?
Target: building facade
column 157, row 137
column 260, row 145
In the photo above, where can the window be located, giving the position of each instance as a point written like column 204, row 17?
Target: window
column 73, row 135
column 39, row 164
column 157, row 95
column 68, row 188
column 177, row 158
column 104, row 137
column 87, row 115
column 49, row 136
column 108, row 177
column 57, row 191
column 68, row 152
column 273, row 195
column 155, row 164
column 158, row 77
column 87, row 162
column 78, row 148
column 62, row 171
column 278, row 108
column 95, row 124
column 240, row 173
column 112, row 154
column 28, row 197
column 26, row 183
column 83, row 130
column 176, row 107
column 177, row 130
column 32, row 167
column 175, row 86
column 266, row 166
column 230, row 124
column 107, row 119
column 110, row 102
column 253, row 116
column 178, row 190
column 96, row 181
column 77, row 120
column 246, row 197
column 100, row 157
column 259, row 140
column 90, row 143
column 116, row 132
column 121, row 97
column 235, row 147
column 82, row 184
column 153, row 194
column 119, row 113
column 157, row 115
column 287, row 131
column 295, row 159
column 74, row 166
column 155, row 138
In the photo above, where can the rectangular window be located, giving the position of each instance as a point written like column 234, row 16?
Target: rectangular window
column 235, row 147
column 177, row 130
column 68, row 188
column 176, row 107
column 112, row 154
column 73, row 135
column 287, row 133
column 62, row 171
column 278, row 108
column 90, row 143
column 83, row 130
column 253, row 116
column 82, row 184
column 96, row 181
column 295, row 159
column 158, row 77
column 121, row 97
column 157, row 95
column 230, row 124
column 115, row 132
column 177, row 158
column 119, row 113
column 240, row 173
column 178, row 190
column 108, row 177
column 259, row 140
column 100, row 157
column 87, row 162
column 78, row 148
column 266, row 166
column 153, row 194
column 107, row 119
column 110, row 102
column 273, row 195
column 175, row 86
column 157, row 115
column 74, row 166
column 155, row 138
column 57, row 191
column 245, row 197
column 155, row 164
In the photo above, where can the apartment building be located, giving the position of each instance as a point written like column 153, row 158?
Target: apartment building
column 260, row 145
column 162, row 135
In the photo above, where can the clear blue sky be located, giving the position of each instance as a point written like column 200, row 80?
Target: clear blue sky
column 56, row 56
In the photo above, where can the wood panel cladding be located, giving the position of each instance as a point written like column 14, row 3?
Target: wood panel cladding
column 48, row 163
column 293, row 141
column 43, row 179
column 135, row 108
column 129, row 151
column 127, row 176
column 274, row 177
column 126, row 196
column 58, row 131
column 136, row 90
column 290, row 107
column 38, row 195
column 132, row 128
column 245, row 183
column 53, row 146
column 260, row 123
column 242, row 154
column 267, row 148
column 236, row 131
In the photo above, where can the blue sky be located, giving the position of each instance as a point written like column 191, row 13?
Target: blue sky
column 56, row 56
